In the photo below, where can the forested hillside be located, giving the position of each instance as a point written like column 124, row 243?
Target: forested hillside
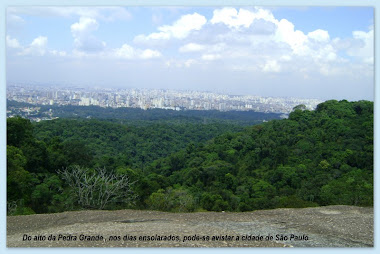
column 319, row 157
column 110, row 144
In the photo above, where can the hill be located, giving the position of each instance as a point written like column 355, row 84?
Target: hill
column 319, row 157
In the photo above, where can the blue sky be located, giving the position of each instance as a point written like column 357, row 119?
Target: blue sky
column 309, row 52
column 338, row 21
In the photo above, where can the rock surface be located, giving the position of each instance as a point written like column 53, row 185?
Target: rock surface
column 330, row 226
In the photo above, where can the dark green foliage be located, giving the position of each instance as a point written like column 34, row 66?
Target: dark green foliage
column 17, row 177
column 354, row 187
column 19, row 131
column 314, row 157
column 108, row 144
column 319, row 157
column 174, row 200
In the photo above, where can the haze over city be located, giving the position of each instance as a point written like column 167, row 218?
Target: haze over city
column 311, row 52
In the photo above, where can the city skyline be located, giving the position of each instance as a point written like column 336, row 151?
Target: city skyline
column 177, row 100
column 311, row 52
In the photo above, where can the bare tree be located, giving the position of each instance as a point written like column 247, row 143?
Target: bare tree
column 95, row 188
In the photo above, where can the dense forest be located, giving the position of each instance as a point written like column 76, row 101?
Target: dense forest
column 318, row 157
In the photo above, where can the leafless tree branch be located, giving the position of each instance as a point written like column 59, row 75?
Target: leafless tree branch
column 95, row 188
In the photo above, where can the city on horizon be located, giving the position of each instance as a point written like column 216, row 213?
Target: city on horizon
column 168, row 99
column 312, row 52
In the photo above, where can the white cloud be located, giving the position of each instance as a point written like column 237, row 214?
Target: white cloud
column 148, row 53
column 58, row 53
column 248, row 40
column 294, row 38
column 365, row 48
column 245, row 47
column 38, row 47
column 326, row 53
column 85, row 25
column 190, row 62
column 319, row 35
column 14, row 21
column 268, row 37
column 233, row 18
column 125, row 51
column 128, row 52
column 191, row 47
column 180, row 29
column 286, row 58
column 316, row 45
column 211, row 57
column 179, row 63
column 83, row 38
column 12, row 43
column 39, row 42
column 271, row 66
column 151, row 37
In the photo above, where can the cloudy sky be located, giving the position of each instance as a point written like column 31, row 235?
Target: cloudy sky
column 311, row 52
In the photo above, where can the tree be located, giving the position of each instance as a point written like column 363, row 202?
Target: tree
column 77, row 153
column 18, row 179
column 353, row 188
column 297, row 112
column 174, row 200
column 19, row 131
column 96, row 188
